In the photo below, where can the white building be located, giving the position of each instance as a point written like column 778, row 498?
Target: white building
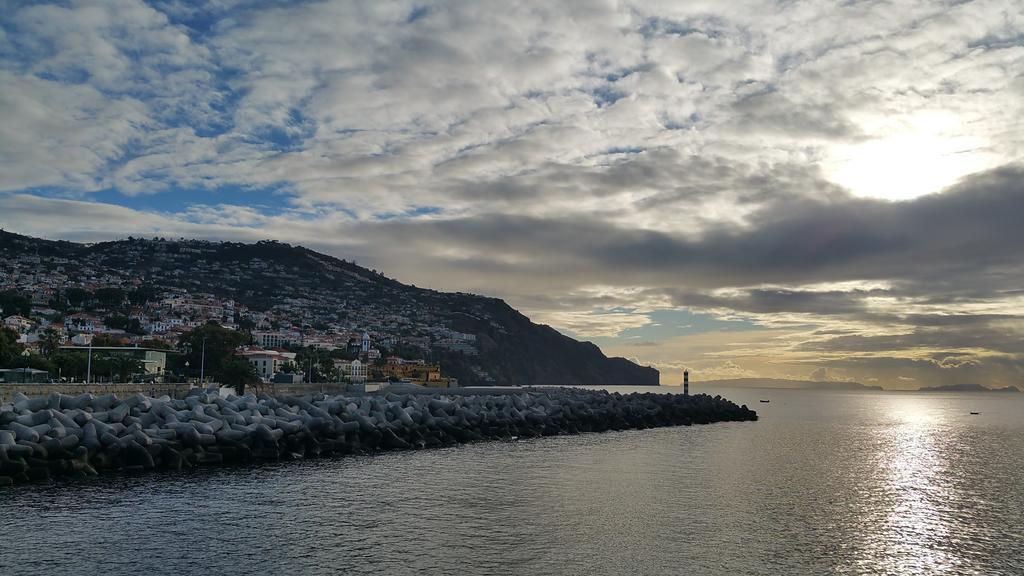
column 358, row 371
column 267, row 362
column 355, row 370
column 272, row 339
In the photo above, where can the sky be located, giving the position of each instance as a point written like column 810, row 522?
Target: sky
column 791, row 189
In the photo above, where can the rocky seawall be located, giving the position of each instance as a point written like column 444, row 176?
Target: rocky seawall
column 61, row 436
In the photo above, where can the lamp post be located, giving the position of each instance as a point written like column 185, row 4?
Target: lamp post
column 202, row 364
column 88, row 365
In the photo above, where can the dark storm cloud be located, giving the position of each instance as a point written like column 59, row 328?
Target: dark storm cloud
column 955, row 240
column 665, row 179
column 834, row 302
column 982, row 337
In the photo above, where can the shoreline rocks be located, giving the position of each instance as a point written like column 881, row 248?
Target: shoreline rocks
column 63, row 436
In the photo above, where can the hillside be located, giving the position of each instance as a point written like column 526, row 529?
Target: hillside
column 476, row 339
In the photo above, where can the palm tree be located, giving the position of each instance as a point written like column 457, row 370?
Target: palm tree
column 49, row 343
column 124, row 366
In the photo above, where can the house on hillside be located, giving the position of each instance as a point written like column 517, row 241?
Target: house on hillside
column 267, row 362
column 19, row 324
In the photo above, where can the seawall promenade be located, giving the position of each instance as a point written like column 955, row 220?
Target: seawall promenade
column 61, row 435
column 179, row 390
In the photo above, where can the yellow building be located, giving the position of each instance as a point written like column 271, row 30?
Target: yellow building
column 423, row 374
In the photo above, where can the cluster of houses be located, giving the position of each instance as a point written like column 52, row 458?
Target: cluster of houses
column 187, row 273
column 168, row 319
column 271, row 361
column 274, row 364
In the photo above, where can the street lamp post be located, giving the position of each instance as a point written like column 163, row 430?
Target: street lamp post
column 202, row 364
column 88, row 365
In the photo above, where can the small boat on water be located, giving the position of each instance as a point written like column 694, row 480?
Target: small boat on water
column 975, row 413
column 764, row 401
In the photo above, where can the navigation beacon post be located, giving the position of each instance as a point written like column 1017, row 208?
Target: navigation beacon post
column 686, row 382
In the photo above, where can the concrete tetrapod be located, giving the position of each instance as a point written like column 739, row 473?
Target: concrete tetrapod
column 63, row 436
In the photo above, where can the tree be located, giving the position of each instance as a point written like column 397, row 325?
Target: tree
column 12, row 302
column 143, row 294
column 57, row 302
column 123, row 367
column 100, row 340
column 70, row 364
column 49, row 342
column 9, row 346
column 77, row 297
column 116, row 321
column 327, row 370
column 220, row 346
column 110, row 298
column 315, row 364
column 156, row 344
column 34, row 361
column 238, row 373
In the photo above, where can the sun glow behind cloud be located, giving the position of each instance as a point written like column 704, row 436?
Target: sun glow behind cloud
column 909, row 157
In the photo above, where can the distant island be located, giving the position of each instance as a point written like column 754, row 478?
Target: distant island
column 966, row 388
column 782, row 383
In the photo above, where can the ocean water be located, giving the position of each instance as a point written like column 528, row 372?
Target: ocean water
column 825, row 483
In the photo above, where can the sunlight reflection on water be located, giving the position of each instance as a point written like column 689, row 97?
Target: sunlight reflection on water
column 916, row 532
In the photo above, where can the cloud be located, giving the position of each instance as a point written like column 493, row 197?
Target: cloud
column 336, row 96
column 591, row 162
column 54, row 134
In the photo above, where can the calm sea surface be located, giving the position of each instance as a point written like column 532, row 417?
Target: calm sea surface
column 824, row 483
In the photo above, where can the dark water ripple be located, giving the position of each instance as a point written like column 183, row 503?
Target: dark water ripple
column 825, row 483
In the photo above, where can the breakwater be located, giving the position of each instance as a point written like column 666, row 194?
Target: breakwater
column 176, row 390
column 79, row 436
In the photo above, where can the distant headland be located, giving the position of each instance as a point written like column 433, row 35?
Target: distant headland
column 783, row 383
column 966, row 388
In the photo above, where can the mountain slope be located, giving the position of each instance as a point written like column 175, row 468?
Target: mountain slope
column 315, row 291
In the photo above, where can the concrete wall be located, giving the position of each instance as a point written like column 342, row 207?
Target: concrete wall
column 180, row 390
column 122, row 390
column 306, row 388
